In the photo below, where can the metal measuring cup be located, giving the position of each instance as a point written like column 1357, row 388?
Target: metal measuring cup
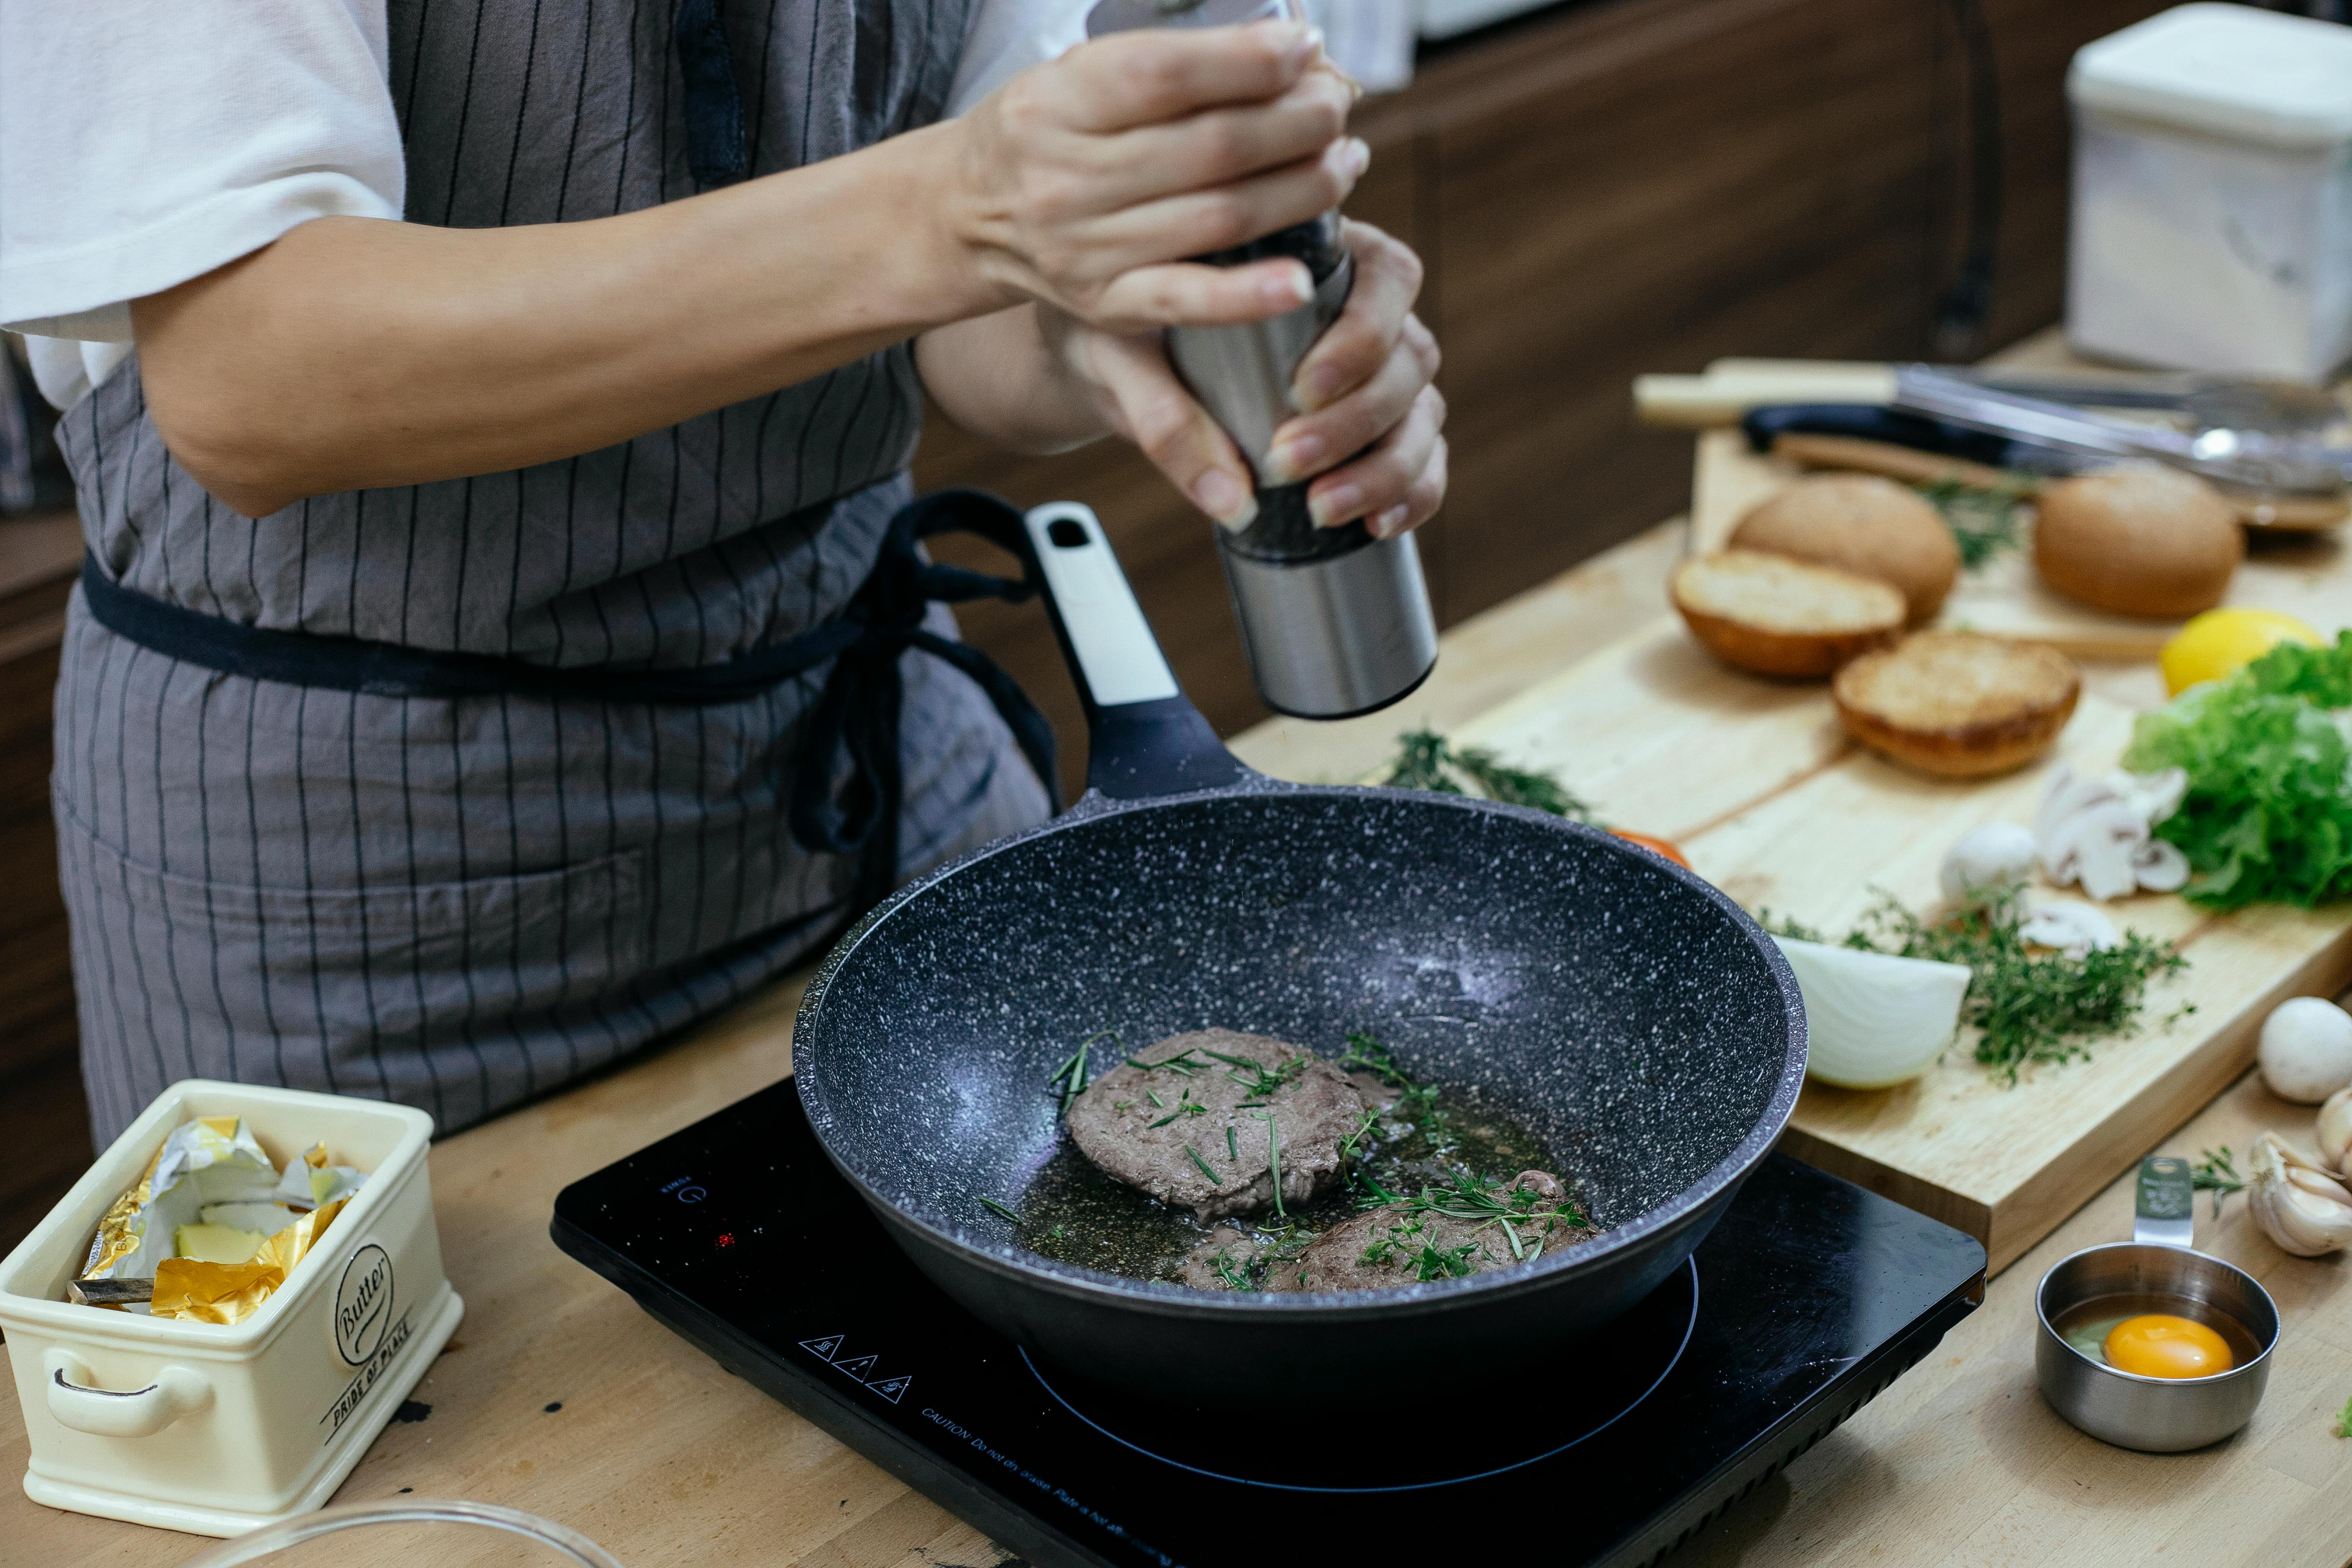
column 2156, row 1414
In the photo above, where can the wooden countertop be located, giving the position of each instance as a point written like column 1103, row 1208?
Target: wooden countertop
column 558, row 1397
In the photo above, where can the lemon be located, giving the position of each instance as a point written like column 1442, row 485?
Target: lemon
column 2218, row 641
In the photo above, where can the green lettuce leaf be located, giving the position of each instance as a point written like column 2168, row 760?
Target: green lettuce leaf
column 2268, row 814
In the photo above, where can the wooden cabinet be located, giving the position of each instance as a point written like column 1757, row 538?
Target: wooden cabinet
column 1607, row 189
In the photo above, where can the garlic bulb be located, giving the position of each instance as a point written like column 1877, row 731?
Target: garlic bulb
column 2097, row 831
column 1983, row 859
column 2299, row 1207
column 2070, row 925
column 2307, row 1049
column 2334, row 1133
column 1874, row 1020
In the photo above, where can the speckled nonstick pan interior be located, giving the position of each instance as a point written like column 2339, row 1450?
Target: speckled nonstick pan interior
column 1621, row 1008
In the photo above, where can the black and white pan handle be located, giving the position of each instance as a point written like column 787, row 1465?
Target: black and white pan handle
column 1144, row 736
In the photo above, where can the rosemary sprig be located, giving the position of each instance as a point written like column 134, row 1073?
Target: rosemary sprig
column 2344, row 1420
column 1982, row 518
column 1203, row 1163
column 1006, row 1209
column 1222, row 1263
column 1069, row 1081
column 1181, row 1064
column 1426, row 761
column 1233, row 1149
column 1468, row 1198
column 1365, row 1052
column 1187, row 1106
column 1258, row 1080
column 1273, row 1156
column 2216, row 1174
column 1157, row 1103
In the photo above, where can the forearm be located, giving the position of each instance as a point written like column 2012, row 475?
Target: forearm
column 355, row 353
column 1007, row 378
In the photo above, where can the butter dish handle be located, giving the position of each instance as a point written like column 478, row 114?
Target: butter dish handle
column 139, row 1412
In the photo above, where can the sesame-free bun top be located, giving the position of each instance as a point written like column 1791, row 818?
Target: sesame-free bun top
column 1860, row 523
column 1776, row 615
column 2146, row 541
column 1958, row 704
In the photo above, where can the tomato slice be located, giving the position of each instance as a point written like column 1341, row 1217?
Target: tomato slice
column 1656, row 845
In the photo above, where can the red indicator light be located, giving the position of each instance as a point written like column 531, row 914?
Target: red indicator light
column 726, row 1238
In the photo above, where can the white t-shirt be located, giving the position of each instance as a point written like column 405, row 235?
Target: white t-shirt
column 149, row 142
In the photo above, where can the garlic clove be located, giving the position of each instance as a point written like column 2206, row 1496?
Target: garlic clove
column 2300, row 1210
column 2070, row 925
column 2335, row 1133
column 2160, row 867
column 1983, row 859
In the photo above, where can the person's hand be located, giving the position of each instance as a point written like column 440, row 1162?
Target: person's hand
column 1083, row 183
column 1368, row 428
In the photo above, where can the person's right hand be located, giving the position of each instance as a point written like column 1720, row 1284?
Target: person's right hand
column 1086, row 182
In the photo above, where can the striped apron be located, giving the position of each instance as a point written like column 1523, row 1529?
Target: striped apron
column 458, row 901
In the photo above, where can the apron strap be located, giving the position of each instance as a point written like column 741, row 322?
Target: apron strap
column 856, row 713
column 717, row 150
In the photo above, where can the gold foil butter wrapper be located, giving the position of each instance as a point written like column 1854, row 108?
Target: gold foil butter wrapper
column 212, row 1160
column 195, row 1292
column 213, row 1225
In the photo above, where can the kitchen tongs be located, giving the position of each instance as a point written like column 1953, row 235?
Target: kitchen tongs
column 2247, row 460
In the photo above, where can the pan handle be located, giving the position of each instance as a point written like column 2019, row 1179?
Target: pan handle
column 1144, row 738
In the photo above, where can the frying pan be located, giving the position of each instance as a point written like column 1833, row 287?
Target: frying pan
column 1620, row 1008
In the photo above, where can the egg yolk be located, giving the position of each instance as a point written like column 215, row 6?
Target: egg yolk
column 2161, row 1345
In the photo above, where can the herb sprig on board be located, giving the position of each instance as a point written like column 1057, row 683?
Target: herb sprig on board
column 1427, row 761
column 1982, row 518
column 2218, row 1175
column 2027, row 1005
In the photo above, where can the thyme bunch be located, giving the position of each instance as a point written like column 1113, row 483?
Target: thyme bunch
column 2026, row 1007
column 1427, row 761
column 1982, row 518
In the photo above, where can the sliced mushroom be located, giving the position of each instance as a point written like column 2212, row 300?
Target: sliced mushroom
column 2069, row 925
column 2160, row 867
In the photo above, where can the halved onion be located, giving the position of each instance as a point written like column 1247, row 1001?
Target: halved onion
column 1874, row 1020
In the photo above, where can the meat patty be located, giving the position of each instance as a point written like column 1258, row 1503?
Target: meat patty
column 1232, row 1258
column 1205, row 1119
column 1406, row 1244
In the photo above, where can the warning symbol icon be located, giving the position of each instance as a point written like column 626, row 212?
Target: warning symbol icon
column 857, row 1367
column 890, row 1388
column 823, row 1348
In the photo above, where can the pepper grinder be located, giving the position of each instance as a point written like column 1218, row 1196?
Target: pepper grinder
column 1336, row 622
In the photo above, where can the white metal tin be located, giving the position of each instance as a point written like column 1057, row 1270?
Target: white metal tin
column 217, row 1429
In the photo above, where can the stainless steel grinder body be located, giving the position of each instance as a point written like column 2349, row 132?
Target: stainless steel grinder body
column 1335, row 622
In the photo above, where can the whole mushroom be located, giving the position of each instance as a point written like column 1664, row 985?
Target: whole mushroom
column 2307, row 1049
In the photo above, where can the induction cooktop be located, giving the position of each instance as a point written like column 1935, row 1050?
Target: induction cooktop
column 1809, row 1297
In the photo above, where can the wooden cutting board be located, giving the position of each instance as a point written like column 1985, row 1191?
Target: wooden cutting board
column 1758, row 784
column 2297, row 572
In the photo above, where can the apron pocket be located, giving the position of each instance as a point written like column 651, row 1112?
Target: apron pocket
column 456, row 996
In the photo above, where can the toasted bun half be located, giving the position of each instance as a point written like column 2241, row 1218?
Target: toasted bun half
column 2140, row 542
column 1863, row 525
column 1776, row 615
column 1956, row 704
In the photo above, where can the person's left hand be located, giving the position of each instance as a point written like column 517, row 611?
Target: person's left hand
column 1367, row 429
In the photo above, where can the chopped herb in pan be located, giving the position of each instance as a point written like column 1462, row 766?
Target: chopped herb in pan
column 1232, row 1150
column 1006, row 1209
column 1272, row 1156
column 1203, row 1163
column 1256, row 1079
column 1158, row 1103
